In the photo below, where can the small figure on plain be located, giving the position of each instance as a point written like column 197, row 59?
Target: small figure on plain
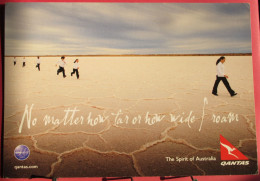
column 14, row 61
column 61, row 63
column 221, row 76
column 24, row 61
column 76, row 68
column 38, row 63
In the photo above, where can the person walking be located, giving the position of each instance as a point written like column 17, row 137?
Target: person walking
column 62, row 64
column 14, row 61
column 221, row 76
column 24, row 61
column 38, row 63
column 76, row 68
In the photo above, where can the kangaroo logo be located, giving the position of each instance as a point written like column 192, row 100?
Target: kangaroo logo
column 229, row 152
column 229, row 149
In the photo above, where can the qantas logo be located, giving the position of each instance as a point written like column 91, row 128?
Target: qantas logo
column 229, row 152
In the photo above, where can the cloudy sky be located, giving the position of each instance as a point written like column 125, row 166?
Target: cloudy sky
column 121, row 28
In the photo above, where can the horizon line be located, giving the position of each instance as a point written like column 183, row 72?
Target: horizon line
column 129, row 55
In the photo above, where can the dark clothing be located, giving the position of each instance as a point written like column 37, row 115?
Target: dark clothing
column 224, row 80
column 77, row 73
column 23, row 64
column 38, row 66
column 61, row 69
column 14, row 63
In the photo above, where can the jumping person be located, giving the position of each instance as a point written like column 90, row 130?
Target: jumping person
column 76, row 68
column 222, row 76
column 14, row 61
column 61, row 63
column 38, row 61
column 24, row 61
